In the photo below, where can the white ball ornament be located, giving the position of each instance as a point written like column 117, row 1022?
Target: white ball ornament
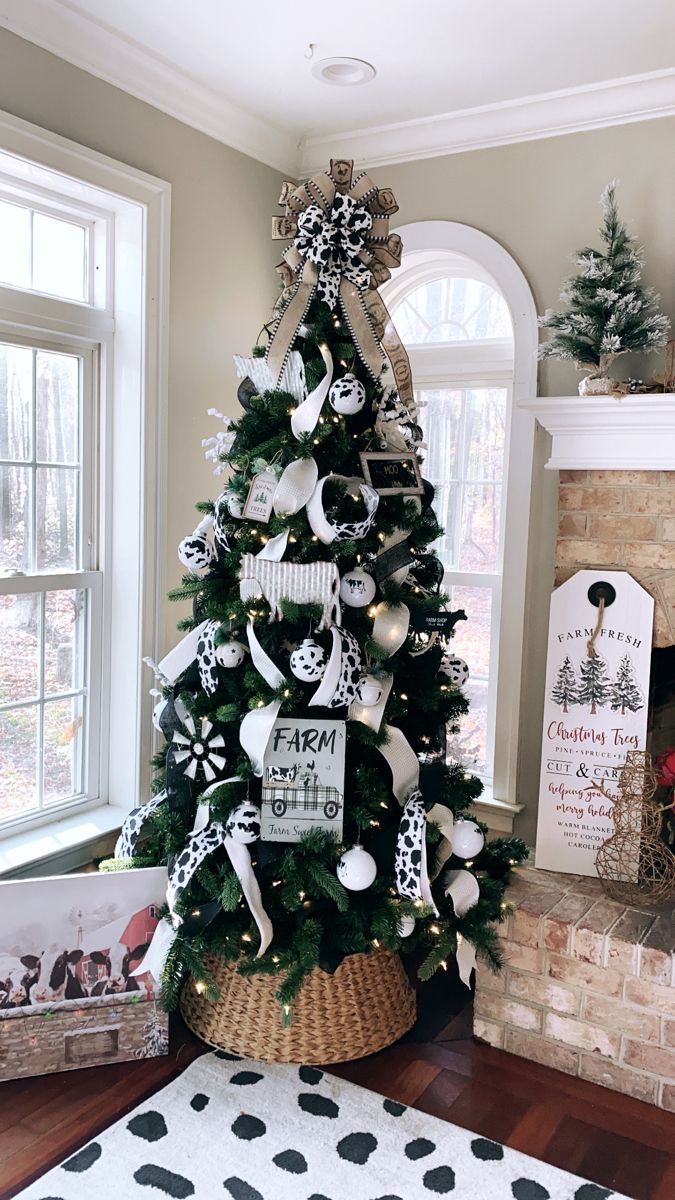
column 454, row 669
column 369, row 690
column 243, row 823
column 356, row 869
column 467, row 839
column 347, row 396
column 406, row 926
column 157, row 713
column 230, row 654
column 357, row 588
column 308, row 661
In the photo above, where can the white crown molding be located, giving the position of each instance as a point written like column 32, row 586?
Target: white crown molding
column 572, row 110
column 608, row 432
column 85, row 43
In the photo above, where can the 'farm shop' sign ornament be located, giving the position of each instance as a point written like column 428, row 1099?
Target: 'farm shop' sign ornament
column 595, row 711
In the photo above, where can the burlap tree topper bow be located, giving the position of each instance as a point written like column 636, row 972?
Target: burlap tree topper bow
column 342, row 251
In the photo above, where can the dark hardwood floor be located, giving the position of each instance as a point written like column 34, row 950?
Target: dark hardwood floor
column 610, row 1139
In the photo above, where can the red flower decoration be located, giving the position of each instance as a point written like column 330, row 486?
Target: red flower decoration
column 665, row 767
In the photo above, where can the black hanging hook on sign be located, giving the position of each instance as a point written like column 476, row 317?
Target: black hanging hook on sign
column 601, row 591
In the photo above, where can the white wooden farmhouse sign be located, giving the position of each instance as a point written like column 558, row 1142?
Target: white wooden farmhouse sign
column 595, row 711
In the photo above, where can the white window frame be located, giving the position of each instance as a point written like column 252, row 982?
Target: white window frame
column 432, row 248
column 126, row 326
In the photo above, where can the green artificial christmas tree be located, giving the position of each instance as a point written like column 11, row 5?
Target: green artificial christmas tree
column 303, row 800
column 609, row 312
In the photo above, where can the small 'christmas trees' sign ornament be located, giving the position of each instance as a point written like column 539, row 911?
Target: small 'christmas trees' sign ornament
column 609, row 312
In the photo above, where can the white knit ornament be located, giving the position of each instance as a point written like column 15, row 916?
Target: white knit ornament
column 357, row 869
column 357, row 588
column 347, row 395
column 230, row 654
column 467, row 839
column 308, row 661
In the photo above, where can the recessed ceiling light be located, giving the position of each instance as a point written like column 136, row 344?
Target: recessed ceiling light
column 343, row 72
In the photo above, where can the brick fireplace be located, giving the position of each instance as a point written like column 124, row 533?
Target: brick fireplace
column 589, row 985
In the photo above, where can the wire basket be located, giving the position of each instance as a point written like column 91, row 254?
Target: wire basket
column 364, row 1006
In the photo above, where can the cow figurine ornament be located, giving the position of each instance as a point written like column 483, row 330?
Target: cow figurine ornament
column 303, row 583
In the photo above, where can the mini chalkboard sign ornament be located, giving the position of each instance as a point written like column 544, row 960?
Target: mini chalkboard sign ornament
column 392, row 474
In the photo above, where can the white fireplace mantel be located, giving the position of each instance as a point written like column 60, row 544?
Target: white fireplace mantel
column 608, row 432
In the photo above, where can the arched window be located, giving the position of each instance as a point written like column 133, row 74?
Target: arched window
column 462, row 307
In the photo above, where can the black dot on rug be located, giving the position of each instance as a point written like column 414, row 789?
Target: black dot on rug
column 227, row 1056
column 84, row 1159
column 318, row 1106
column 389, row 1197
column 310, row 1074
column 486, row 1150
column 165, row 1181
column 357, row 1147
column 528, row 1189
column 240, row 1190
column 591, row 1191
column 318, row 1196
column 247, row 1127
column 419, row 1148
column 292, row 1161
column 199, row 1102
column 148, row 1125
column 394, row 1109
column 440, row 1180
column 244, row 1077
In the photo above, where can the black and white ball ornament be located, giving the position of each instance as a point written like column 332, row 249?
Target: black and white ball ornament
column 308, row 661
column 454, row 669
column 347, row 396
column 243, row 823
column 369, row 690
column 406, row 926
column 157, row 714
column 357, row 588
column 230, row 654
column 196, row 552
column 467, row 839
column 357, row 869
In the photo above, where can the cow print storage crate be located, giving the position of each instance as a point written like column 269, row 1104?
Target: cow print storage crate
column 68, row 948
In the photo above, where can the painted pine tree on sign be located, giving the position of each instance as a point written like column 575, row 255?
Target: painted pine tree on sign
column 565, row 688
column 594, row 685
column 626, row 692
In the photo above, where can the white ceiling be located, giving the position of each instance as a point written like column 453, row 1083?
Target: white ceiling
column 242, row 71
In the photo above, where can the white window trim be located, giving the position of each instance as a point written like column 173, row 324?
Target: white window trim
column 433, row 241
column 134, row 370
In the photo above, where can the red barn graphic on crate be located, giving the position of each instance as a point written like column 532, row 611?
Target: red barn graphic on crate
column 69, row 947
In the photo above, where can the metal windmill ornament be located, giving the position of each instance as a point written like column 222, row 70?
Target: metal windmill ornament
column 199, row 750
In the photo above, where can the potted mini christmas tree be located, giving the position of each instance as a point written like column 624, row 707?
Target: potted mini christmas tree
column 312, row 825
column 609, row 312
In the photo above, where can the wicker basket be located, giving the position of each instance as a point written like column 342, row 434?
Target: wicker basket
column 364, row 1006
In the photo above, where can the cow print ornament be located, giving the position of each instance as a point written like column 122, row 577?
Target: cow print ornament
column 230, row 654
column 308, row 661
column 347, row 396
column 454, row 669
column 243, row 823
column 196, row 552
column 357, row 588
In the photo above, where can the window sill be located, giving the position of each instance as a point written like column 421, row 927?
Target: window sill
column 63, row 845
column 497, row 814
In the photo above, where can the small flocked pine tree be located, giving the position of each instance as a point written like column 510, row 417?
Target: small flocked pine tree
column 594, row 686
column 250, row 666
column 565, row 687
column 609, row 312
column 626, row 692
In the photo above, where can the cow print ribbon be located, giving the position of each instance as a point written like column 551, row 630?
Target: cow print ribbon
column 340, row 683
column 410, row 860
column 126, row 842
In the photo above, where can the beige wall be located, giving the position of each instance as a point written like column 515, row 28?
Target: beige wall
column 222, row 256
column 540, row 201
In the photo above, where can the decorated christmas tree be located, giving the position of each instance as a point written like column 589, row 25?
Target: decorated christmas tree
column 564, row 690
column 304, row 803
column 609, row 312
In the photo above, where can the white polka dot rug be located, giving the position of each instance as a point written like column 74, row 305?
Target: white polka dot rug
column 232, row 1129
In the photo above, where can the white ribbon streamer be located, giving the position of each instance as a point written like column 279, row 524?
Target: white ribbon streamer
column 202, row 814
column 275, row 548
column 371, row 714
column 390, row 628
column 295, row 486
column 462, row 888
column 403, row 762
column 240, row 858
column 261, row 659
column 306, row 415
column 445, row 820
column 178, row 660
column 466, row 959
column 254, row 733
column 154, row 960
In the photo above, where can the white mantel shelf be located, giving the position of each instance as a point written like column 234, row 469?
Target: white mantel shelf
column 608, row 432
